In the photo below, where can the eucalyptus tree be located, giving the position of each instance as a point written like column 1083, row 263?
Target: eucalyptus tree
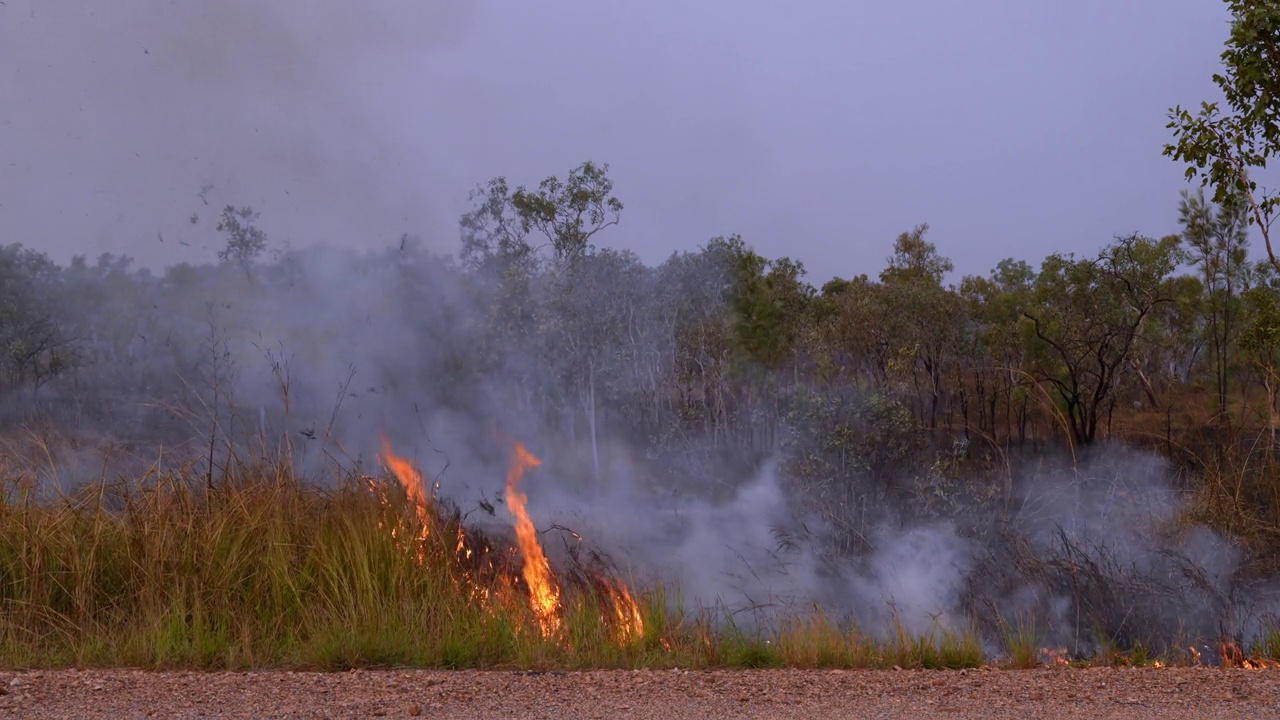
column 245, row 241
column 570, row 212
column 115, row 311
column 593, row 313
column 34, row 345
column 858, row 336
column 994, row 306
column 1225, row 146
column 923, row 318
column 1260, row 340
column 1088, row 318
column 1217, row 240
column 695, row 317
column 502, row 238
column 770, row 303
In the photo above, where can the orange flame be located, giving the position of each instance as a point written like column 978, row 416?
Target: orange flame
column 411, row 480
column 543, row 593
column 1233, row 656
column 1055, row 657
column 630, row 621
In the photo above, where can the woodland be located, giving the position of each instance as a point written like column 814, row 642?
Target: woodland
column 903, row 392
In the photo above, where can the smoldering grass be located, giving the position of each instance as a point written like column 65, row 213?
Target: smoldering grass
column 265, row 570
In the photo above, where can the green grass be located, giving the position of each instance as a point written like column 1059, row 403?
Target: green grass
column 266, row 571
column 1022, row 642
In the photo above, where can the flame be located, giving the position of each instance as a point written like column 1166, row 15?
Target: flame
column 1233, row 656
column 411, row 480
column 1055, row 657
column 543, row 593
column 627, row 612
column 477, row 567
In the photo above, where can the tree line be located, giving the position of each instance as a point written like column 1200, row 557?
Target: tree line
column 720, row 351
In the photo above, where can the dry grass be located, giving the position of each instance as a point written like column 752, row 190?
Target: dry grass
column 266, row 571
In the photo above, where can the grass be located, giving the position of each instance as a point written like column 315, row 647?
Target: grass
column 1023, row 642
column 265, row 571
column 268, row 571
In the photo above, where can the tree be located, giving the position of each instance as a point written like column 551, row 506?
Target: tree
column 916, row 259
column 591, row 304
column 245, row 241
column 570, row 212
column 566, row 213
column 995, row 307
column 1261, row 340
column 1088, row 317
column 769, row 300
column 1218, row 244
column 859, row 337
column 34, row 345
column 1223, row 148
column 923, row 316
column 494, row 236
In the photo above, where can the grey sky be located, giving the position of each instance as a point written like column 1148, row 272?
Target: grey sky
column 815, row 129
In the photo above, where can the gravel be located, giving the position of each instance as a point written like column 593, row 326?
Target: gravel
column 1200, row 693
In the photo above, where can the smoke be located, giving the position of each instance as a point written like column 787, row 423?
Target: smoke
column 1100, row 555
column 189, row 106
column 914, row 580
column 325, row 351
column 329, row 350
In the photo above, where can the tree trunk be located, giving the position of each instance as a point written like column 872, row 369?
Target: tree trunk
column 591, row 416
column 1268, row 382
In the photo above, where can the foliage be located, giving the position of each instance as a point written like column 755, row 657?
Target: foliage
column 1224, row 148
column 566, row 213
column 1089, row 319
column 1218, row 246
column 35, row 346
column 245, row 241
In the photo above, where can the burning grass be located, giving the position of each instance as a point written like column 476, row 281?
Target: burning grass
column 264, row 570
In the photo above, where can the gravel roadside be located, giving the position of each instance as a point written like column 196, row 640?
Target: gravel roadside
column 1200, row 693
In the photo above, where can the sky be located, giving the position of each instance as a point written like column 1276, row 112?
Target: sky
column 818, row 130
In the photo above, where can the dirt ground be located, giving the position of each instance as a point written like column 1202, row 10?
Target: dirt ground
column 1200, row 693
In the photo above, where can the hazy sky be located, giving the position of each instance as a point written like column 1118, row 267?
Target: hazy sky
column 816, row 129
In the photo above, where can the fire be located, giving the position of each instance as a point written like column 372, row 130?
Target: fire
column 1233, row 656
column 411, row 480
column 1055, row 657
column 626, row 611
column 543, row 593
column 482, row 575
